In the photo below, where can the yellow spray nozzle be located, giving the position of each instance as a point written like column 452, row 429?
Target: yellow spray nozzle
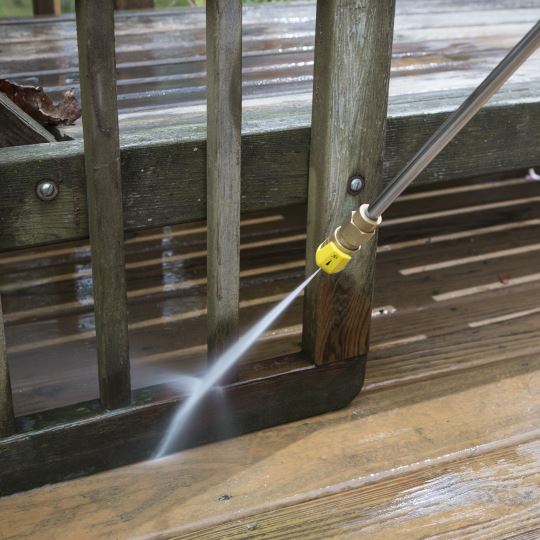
column 330, row 258
column 358, row 229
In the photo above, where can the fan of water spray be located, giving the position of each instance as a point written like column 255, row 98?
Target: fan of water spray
column 222, row 365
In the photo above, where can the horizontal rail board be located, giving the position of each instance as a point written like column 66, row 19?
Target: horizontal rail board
column 102, row 441
column 164, row 170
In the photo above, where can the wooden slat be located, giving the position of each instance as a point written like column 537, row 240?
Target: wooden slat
column 224, row 75
column 352, row 69
column 274, row 164
column 95, row 27
column 6, row 402
column 18, row 128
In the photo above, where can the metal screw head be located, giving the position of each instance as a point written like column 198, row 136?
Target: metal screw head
column 47, row 190
column 356, row 185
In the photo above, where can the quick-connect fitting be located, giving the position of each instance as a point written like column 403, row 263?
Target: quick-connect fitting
column 333, row 255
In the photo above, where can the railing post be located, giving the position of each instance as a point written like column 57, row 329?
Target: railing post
column 353, row 43
column 97, row 66
column 224, row 75
column 6, row 401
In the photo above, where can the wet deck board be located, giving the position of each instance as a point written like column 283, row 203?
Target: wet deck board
column 444, row 47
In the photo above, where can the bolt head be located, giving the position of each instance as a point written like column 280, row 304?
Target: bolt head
column 47, row 190
column 356, row 185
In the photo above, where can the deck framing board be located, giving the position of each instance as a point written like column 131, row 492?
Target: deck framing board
column 164, row 178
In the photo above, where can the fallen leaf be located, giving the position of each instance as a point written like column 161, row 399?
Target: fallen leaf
column 37, row 104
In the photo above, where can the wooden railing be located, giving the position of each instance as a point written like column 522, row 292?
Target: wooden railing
column 241, row 172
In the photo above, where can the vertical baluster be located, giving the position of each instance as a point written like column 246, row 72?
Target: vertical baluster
column 95, row 35
column 352, row 67
column 224, row 72
column 6, row 401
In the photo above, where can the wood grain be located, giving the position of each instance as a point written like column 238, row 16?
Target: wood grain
column 223, row 162
column 18, row 128
column 6, row 401
column 95, row 26
column 352, row 69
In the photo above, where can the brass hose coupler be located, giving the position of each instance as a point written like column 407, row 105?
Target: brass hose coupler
column 333, row 255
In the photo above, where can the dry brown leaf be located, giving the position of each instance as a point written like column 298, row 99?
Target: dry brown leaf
column 37, row 104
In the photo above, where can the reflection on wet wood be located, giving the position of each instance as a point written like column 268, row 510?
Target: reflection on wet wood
column 431, row 456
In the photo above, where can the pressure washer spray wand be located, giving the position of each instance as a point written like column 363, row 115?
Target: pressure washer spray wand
column 333, row 255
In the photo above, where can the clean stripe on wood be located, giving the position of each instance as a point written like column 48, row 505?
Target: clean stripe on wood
column 503, row 318
column 472, row 259
column 493, row 286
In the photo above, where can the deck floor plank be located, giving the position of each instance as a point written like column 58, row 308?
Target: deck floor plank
column 161, row 56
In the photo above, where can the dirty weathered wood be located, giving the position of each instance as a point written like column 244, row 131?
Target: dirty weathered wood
column 47, row 7
column 353, row 45
column 95, row 34
column 6, row 401
column 223, row 161
column 274, row 166
column 18, row 128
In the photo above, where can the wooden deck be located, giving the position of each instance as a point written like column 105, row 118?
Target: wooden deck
column 443, row 440
column 443, row 48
